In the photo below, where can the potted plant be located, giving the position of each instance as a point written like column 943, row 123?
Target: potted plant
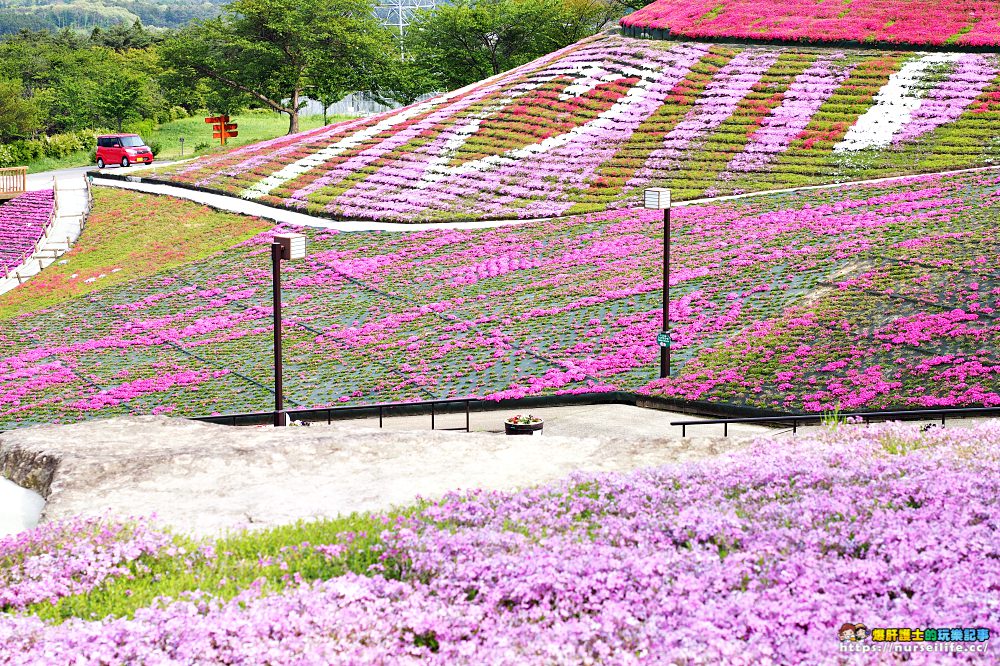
column 523, row 424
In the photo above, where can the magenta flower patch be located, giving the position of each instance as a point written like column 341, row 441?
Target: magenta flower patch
column 23, row 222
column 757, row 557
column 964, row 22
column 863, row 297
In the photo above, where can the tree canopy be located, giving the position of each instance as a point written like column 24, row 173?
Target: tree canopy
column 469, row 40
column 278, row 51
column 71, row 83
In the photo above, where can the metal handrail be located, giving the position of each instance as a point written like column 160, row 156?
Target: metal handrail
column 866, row 417
column 795, row 420
column 233, row 419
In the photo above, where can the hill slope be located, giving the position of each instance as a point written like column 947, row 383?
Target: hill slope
column 913, row 22
column 864, row 297
column 16, row 15
column 588, row 127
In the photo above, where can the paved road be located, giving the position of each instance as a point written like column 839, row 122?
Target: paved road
column 43, row 179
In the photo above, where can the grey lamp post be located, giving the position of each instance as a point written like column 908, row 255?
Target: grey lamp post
column 658, row 198
column 284, row 246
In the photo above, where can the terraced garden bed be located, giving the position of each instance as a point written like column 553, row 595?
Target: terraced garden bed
column 865, row 297
column 586, row 128
column 23, row 221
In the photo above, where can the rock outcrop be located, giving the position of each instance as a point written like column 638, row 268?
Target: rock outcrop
column 203, row 479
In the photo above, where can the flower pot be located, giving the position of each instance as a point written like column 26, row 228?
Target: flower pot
column 523, row 428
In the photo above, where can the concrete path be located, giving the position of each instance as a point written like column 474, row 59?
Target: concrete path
column 43, row 179
column 604, row 421
column 20, row 508
column 71, row 207
column 201, row 478
column 575, row 421
column 234, row 204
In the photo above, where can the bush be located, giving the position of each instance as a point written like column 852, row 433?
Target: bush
column 156, row 147
column 143, row 128
column 57, row 145
column 176, row 113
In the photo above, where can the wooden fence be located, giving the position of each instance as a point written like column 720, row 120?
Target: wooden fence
column 13, row 182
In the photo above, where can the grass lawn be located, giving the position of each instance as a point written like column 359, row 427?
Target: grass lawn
column 277, row 557
column 253, row 127
column 129, row 235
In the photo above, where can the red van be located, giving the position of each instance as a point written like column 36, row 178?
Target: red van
column 124, row 149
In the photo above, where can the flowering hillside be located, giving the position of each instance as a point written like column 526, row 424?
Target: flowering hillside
column 864, row 297
column 917, row 22
column 129, row 236
column 756, row 558
column 23, row 222
column 586, row 128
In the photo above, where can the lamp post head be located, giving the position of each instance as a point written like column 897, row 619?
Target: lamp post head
column 293, row 246
column 656, row 198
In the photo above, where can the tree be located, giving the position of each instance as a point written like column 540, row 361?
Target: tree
column 121, row 97
column 274, row 51
column 121, row 37
column 18, row 116
column 469, row 40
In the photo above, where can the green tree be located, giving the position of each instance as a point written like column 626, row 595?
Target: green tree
column 125, row 88
column 119, row 98
column 469, row 40
column 18, row 116
column 122, row 37
column 275, row 51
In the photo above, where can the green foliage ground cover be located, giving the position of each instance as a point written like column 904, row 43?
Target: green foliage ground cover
column 273, row 559
column 253, row 127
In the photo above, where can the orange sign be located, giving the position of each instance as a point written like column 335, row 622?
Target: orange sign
column 222, row 129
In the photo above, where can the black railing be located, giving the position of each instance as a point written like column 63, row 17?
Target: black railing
column 866, row 417
column 386, row 409
column 314, row 414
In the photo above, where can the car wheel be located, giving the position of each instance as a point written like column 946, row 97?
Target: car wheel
column 125, row 162
column 100, row 162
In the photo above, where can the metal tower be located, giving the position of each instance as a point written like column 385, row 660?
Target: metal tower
column 397, row 14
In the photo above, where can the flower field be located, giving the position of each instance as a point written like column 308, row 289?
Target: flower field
column 863, row 297
column 915, row 22
column 586, row 128
column 23, row 222
column 129, row 236
column 754, row 558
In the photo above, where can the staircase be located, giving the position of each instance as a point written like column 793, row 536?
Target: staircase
column 72, row 204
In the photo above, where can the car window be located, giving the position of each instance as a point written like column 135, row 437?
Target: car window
column 132, row 141
column 103, row 142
